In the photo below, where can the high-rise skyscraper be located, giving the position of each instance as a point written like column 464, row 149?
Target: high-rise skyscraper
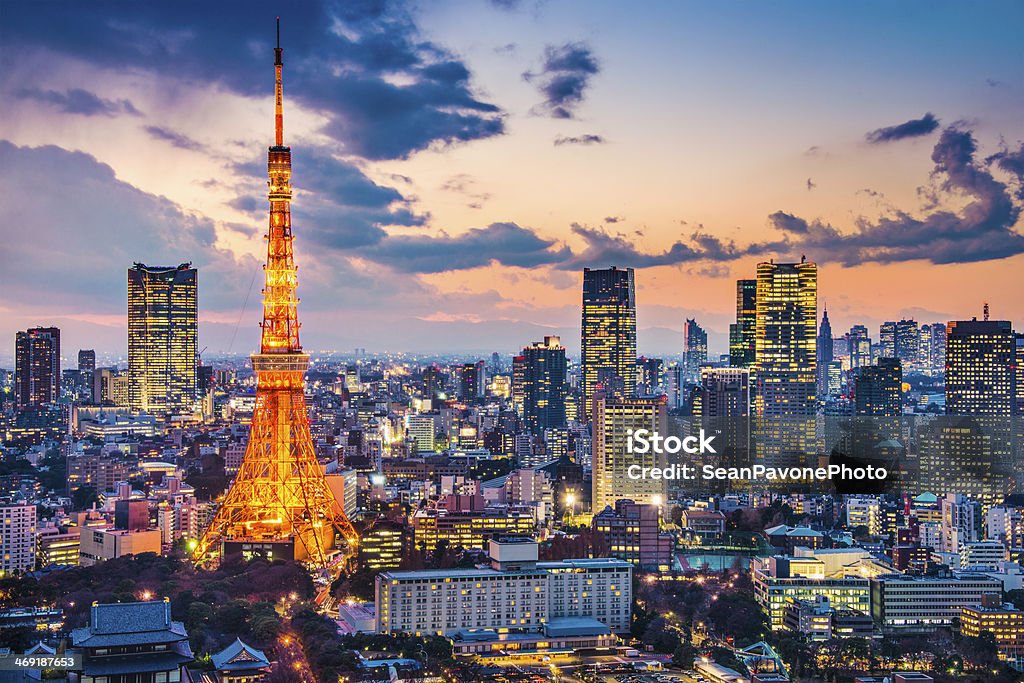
column 280, row 503
column 933, row 346
column 725, row 392
column 742, row 332
column 859, row 345
column 980, row 360
column 163, row 337
column 695, row 349
column 1020, row 377
column 786, row 359
column 544, row 385
column 908, row 341
column 472, row 381
column 651, row 376
column 86, row 360
column 887, row 339
column 878, row 389
column 608, row 358
column 613, row 420
column 433, row 381
column 37, row 366
column 825, row 352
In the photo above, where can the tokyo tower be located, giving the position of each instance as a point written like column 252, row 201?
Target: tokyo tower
column 280, row 503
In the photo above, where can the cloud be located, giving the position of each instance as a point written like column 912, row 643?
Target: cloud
column 563, row 78
column 604, row 249
column 613, row 219
column 337, row 204
column 79, row 101
column 982, row 230
column 465, row 185
column 179, row 140
column 384, row 91
column 507, row 244
column 1011, row 161
column 589, row 139
column 914, row 128
column 114, row 225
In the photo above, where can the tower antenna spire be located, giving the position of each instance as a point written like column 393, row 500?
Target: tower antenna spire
column 278, row 91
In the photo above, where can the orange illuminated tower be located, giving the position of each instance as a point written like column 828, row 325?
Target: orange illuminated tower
column 280, row 501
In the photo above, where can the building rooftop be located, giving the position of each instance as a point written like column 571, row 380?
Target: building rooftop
column 129, row 623
column 442, row 574
column 575, row 626
column 239, row 657
column 585, row 563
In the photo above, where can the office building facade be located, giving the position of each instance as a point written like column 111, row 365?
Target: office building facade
column 613, row 420
column 163, row 338
column 608, row 343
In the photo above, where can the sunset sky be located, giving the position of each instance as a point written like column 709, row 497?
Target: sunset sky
column 457, row 164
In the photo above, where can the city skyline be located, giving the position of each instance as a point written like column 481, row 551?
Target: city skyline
column 413, row 231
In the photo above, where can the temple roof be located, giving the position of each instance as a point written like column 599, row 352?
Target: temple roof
column 239, row 657
column 129, row 623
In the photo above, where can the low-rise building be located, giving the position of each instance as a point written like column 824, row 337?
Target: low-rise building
column 516, row 593
column 461, row 529
column 706, row 524
column 632, row 532
column 781, row 580
column 1004, row 621
column 97, row 545
column 924, row 603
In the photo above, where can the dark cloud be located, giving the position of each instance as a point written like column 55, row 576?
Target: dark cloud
column 179, row 140
column 79, row 101
column 993, row 83
column 82, row 244
column 337, row 205
column 604, row 248
column 914, row 128
column 613, row 219
column 507, row 244
column 982, row 230
column 563, row 78
column 385, row 91
column 589, row 139
column 1011, row 161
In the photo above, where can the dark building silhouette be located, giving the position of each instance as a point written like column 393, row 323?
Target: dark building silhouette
column 543, row 385
column 37, row 367
column 741, row 333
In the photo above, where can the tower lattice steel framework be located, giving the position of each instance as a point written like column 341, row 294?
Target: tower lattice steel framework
column 280, row 492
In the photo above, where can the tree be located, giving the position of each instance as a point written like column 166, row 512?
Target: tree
column 738, row 615
column 684, row 654
column 981, row 651
column 83, row 497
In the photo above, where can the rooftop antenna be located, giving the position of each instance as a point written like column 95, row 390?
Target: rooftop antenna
column 278, row 97
column 986, row 310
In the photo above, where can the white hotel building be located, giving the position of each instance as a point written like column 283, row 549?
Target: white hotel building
column 516, row 593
